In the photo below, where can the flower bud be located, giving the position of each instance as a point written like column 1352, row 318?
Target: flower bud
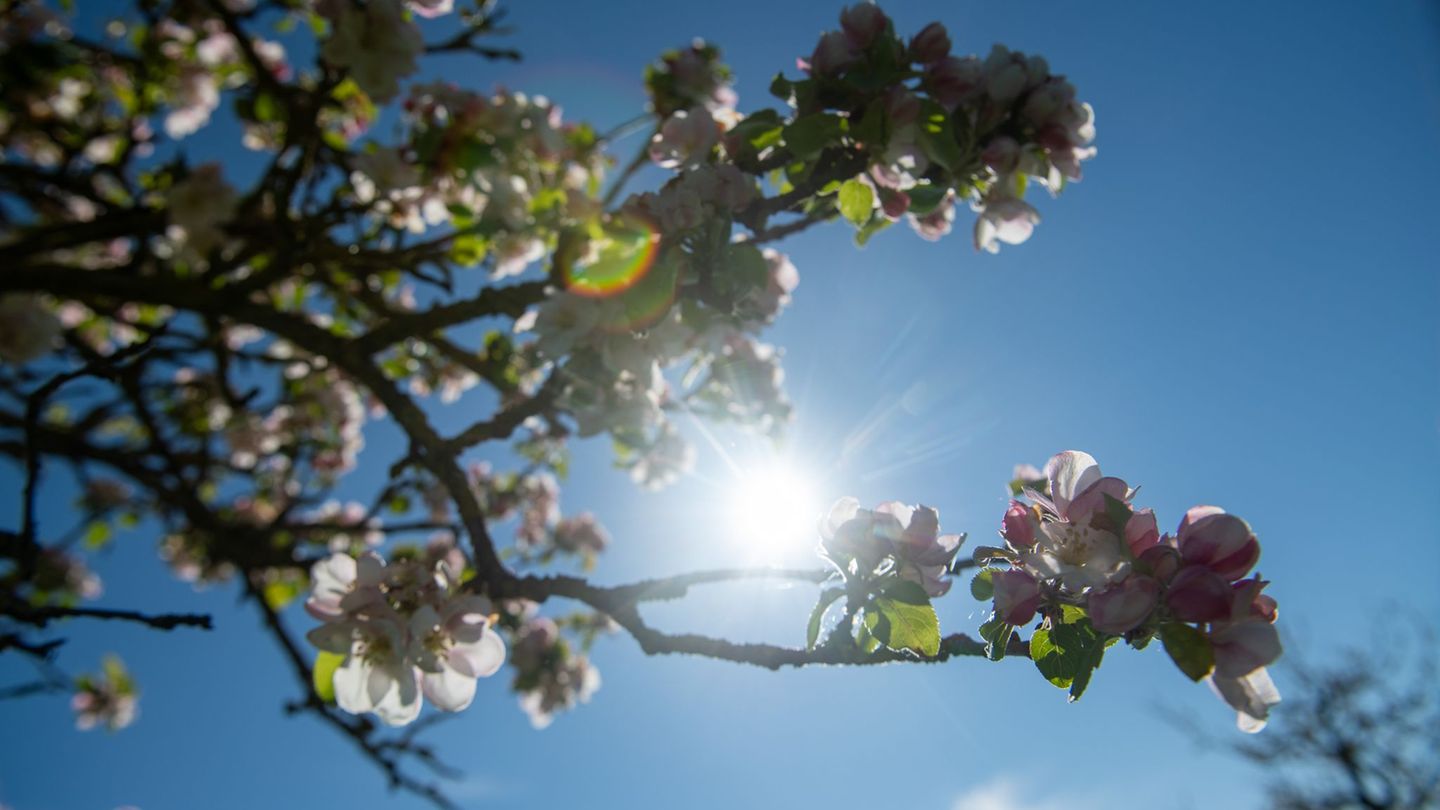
column 1017, row 596
column 1002, row 154
column 894, row 203
column 862, row 23
column 833, row 54
column 1123, row 606
column 930, row 45
column 1243, row 647
column 1222, row 542
column 1141, row 532
column 1197, row 594
column 954, row 80
column 1162, row 560
column 1018, row 527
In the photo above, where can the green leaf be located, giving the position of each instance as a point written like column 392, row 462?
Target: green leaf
column 1188, row 648
column 982, row 587
column 807, row 136
column 925, row 199
column 1068, row 654
column 857, row 201
column 874, row 226
column 997, row 638
column 280, row 593
column 937, row 137
column 745, row 268
column 97, row 534
column 468, row 249
column 322, row 675
column 908, row 618
column 827, row 598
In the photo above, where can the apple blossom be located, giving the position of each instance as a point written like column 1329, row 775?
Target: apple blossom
column 1223, row 543
column 931, row 45
column 1003, row 218
column 1017, row 596
column 1251, row 696
column 200, row 205
column 405, row 633
column 109, row 699
column 1123, row 606
column 376, row 44
column 862, row 23
column 1196, row 594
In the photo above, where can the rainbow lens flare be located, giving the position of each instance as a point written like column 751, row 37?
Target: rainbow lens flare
column 631, row 273
column 625, row 257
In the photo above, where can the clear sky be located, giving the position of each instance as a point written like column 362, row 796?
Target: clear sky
column 1237, row 306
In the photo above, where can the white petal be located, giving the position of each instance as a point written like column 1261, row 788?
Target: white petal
column 350, row 679
column 401, row 705
column 480, row 659
column 1070, row 474
column 449, row 690
column 843, row 510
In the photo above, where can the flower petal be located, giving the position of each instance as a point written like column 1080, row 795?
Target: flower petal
column 449, row 690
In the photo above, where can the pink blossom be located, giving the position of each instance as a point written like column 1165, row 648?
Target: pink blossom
column 686, row 137
column 1018, row 527
column 862, row 23
column 1004, row 219
column 954, row 80
column 1123, row 606
column 1017, row 596
column 833, row 54
column 1141, row 531
column 1196, row 594
column 930, row 45
column 1220, row 541
column 1244, row 646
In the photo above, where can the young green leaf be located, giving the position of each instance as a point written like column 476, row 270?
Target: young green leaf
column 1188, row 648
column 857, row 201
column 323, row 674
column 827, row 598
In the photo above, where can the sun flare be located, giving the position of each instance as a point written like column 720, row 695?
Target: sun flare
column 775, row 509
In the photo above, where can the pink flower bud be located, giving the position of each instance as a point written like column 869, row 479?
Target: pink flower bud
column 1248, row 601
column 1002, row 154
column 863, row 22
column 1243, row 647
column 1222, row 542
column 1197, row 594
column 953, row 80
column 1017, row 596
column 1123, row 606
column 833, row 54
column 1163, row 561
column 1142, row 532
column 930, row 45
column 1018, row 527
column 894, row 203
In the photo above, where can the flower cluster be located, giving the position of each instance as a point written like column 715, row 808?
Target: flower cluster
column 1079, row 543
column 934, row 128
column 402, row 630
column 894, row 539
column 550, row 677
column 109, row 699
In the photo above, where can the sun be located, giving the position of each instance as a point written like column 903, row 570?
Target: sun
column 774, row 510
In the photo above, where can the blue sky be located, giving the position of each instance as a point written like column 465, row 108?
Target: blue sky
column 1237, row 306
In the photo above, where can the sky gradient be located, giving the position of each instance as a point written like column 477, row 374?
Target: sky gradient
column 1237, row 306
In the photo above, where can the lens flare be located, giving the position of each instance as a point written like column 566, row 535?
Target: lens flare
column 630, row 271
column 627, row 252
